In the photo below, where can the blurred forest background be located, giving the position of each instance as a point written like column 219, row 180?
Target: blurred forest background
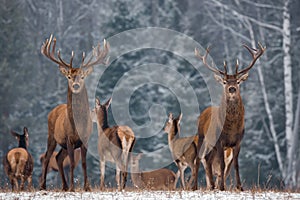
column 31, row 85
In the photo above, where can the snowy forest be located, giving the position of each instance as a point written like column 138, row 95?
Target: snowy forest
column 153, row 71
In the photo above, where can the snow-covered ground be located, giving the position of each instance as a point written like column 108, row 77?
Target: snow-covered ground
column 149, row 195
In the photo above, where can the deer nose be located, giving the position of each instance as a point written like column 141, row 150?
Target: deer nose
column 76, row 86
column 232, row 90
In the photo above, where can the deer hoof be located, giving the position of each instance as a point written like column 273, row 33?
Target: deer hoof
column 87, row 188
column 239, row 188
column 65, row 188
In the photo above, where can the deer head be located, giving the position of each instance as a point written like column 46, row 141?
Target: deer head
column 22, row 139
column 75, row 76
column 173, row 124
column 99, row 113
column 231, row 83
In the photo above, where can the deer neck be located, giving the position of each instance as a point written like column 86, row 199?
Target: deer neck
column 173, row 135
column 102, row 123
column 22, row 144
column 78, row 109
column 231, row 111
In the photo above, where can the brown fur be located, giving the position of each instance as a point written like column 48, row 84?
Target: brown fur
column 160, row 179
column 183, row 150
column 53, row 164
column 70, row 124
column 114, row 144
column 222, row 127
column 18, row 163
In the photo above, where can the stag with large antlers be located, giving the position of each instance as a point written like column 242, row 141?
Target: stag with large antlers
column 70, row 124
column 222, row 127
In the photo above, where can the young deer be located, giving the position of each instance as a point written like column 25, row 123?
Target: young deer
column 222, row 127
column 183, row 150
column 70, row 124
column 160, row 179
column 18, row 163
column 114, row 144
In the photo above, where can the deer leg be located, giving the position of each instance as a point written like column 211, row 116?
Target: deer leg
column 13, row 182
column 29, row 182
column 181, row 169
column 50, row 148
column 70, row 150
column 102, row 171
column 124, row 171
column 118, row 177
column 194, row 177
column 207, row 163
column 236, row 152
column 22, row 183
column 200, row 152
column 220, row 179
column 83, row 162
column 60, row 159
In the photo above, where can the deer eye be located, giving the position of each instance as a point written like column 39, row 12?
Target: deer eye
column 224, row 82
column 69, row 77
column 82, row 77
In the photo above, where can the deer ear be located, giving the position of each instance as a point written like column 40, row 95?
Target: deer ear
column 88, row 70
column 170, row 117
column 16, row 135
column 242, row 78
column 97, row 102
column 107, row 104
column 219, row 78
column 25, row 131
column 179, row 118
column 63, row 70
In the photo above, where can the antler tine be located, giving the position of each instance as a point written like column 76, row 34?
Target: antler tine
column 237, row 66
column 61, row 60
column 83, row 57
column 100, row 55
column 255, row 53
column 72, row 56
column 203, row 58
column 46, row 50
column 225, row 67
column 90, row 59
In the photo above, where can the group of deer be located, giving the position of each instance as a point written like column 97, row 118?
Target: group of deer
column 217, row 144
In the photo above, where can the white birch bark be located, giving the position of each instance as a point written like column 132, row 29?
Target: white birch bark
column 296, row 157
column 288, row 92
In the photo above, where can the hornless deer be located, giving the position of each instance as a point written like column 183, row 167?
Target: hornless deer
column 183, row 150
column 70, row 124
column 18, row 163
column 160, row 179
column 114, row 144
column 222, row 127
column 52, row 166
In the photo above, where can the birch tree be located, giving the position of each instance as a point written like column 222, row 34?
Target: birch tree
column 286, row 161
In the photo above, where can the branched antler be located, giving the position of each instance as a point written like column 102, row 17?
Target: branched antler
column 255, row 53
column 45, row 50
column 97, row 52
column 203, row 58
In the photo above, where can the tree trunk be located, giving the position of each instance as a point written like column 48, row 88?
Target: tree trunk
column 296, row 157
column 288, row 93
column 268, row 107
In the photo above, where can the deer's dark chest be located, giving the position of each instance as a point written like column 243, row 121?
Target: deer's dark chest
column 231, row 140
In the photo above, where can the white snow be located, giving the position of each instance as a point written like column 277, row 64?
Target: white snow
column 149, row 195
